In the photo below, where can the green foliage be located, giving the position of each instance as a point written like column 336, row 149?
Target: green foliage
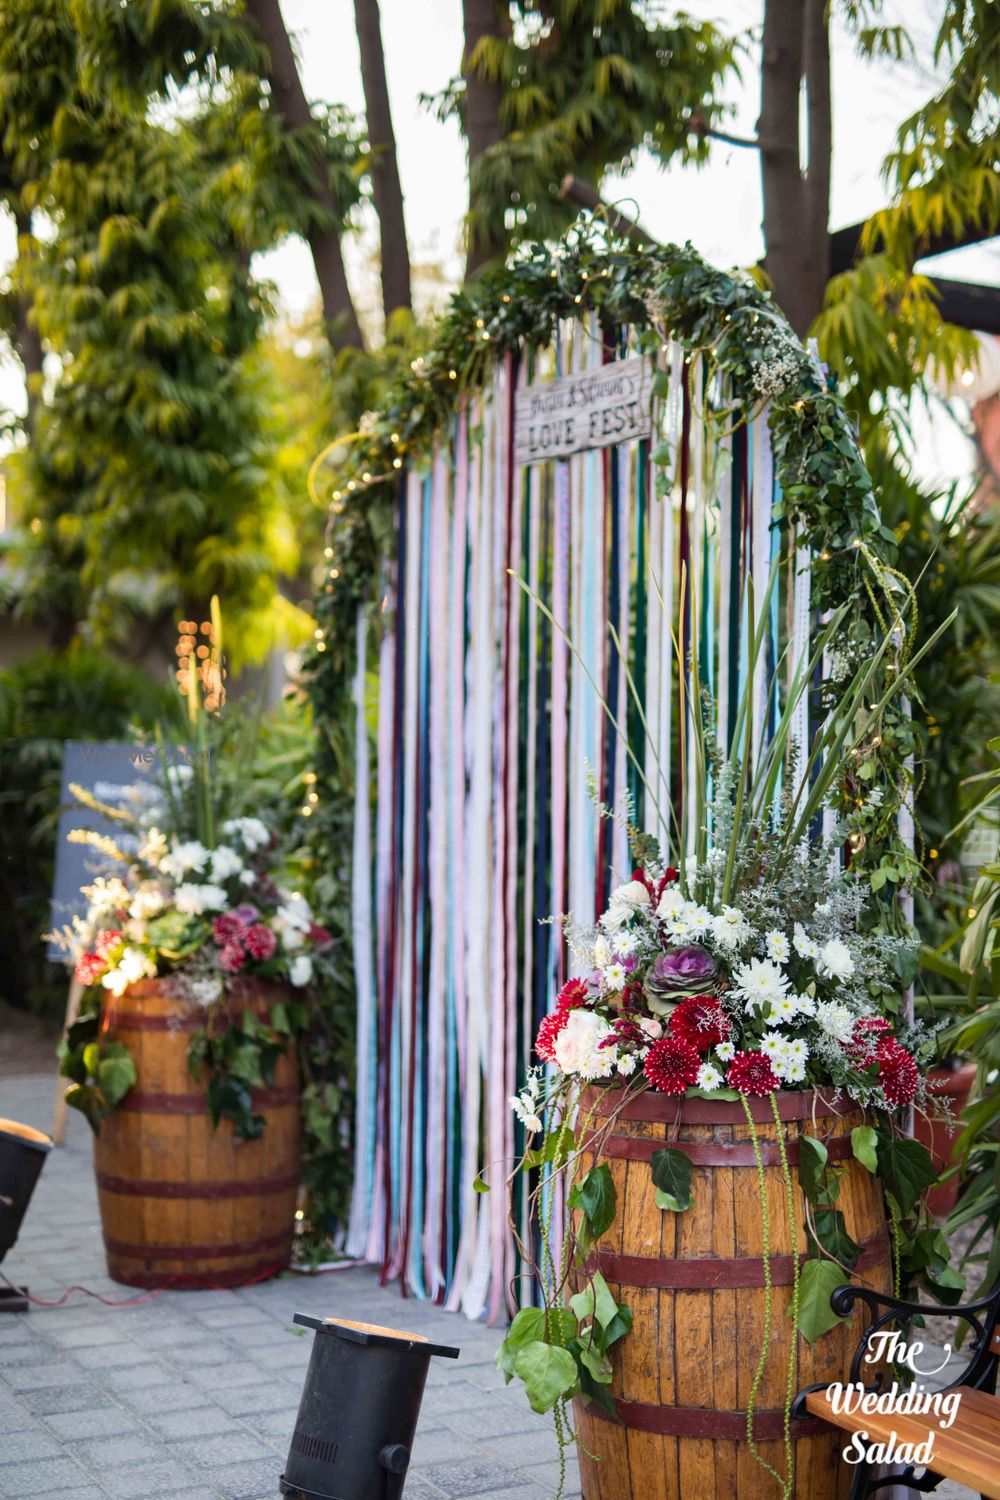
column 671, row 1172
column 242, row 1058
column 818, row 1280
column 584, row 86
column 101, row 1072
column 594, row 1195
column 46, row 699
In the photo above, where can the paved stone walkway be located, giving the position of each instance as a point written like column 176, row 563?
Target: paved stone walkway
column 193, row 1395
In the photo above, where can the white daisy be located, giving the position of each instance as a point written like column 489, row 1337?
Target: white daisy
column 709, row 1078
column 730, row 928
column 777, row 946
column 804, row 945
column 615, row 976
column 670, row 902
column 725, row 1051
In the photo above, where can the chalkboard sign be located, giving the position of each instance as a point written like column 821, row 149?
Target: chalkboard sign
column 110, row 771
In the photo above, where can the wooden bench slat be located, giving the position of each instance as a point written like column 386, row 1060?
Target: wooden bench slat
column 968, row 1451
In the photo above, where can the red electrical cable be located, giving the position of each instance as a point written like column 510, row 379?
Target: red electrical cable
column 132, row 1301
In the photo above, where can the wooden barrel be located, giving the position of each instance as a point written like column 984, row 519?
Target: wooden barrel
column 182, row 1203
column 695, row 1283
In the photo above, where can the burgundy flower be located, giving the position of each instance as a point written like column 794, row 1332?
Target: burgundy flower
column 88, row 968
column 897, row 1073
column 105, row 941
column 573, row 993
column 700, row 1020
column 672, row 1065
column 680, row 972
column 751, row 1073
column 867, row 1038
column 232, row 958
column 227, row 929
column 547, row 1033
column 261, row 942
column 319, row 935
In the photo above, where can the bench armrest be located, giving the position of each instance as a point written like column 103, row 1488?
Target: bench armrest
column 982, row 1318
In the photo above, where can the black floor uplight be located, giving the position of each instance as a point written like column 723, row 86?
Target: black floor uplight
column 359, row 1411
column 22, row 1156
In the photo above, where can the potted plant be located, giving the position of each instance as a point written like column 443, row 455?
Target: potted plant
column 196, row 961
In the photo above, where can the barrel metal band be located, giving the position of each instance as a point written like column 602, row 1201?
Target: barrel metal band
column 702, row 1422
column 205, row 1280
column 131, row 1187
column 198, row 1252
column 716, row 1153
column 677, row 1275
column 194, row 1104
column 658, row 1109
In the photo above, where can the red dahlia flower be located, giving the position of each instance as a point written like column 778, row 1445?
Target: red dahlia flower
column 672, row 1065
column 573, row 993
column 104, row 941
column 227, row 928
column 547, row 1033
column 88, row 968
column 897, row 1073
column 261, row 942
column 700, row 1020
column 867, row 1039
column 232, row 958
column 752, row 1073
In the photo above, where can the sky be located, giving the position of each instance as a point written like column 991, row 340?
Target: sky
column 718, row 207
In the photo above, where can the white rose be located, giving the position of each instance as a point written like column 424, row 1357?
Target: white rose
column 835, row 961
column 577, row 1047
column 633, row 894
column 301, row 970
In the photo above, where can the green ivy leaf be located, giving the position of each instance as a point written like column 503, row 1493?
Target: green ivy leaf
column 671, row 1170
column 527, row 1327
column 813, row 1157
column 115, row 1073
column 906, row 1168
column 548, row 1373
column 596, row 1301
column 864, row 1143
column 595, row 1196
column 479, row 1185
column 818, row 1280
column 829, row 1232
column 598, row 1364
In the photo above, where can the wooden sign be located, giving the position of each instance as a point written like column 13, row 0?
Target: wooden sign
column 595, row 409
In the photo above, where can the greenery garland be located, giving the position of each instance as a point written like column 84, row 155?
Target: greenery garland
column 723, row 318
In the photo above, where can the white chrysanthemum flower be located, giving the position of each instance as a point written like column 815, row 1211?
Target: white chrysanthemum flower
column 805, row 1005
column 626, row 944
column 194, row 900
column 699, row 921
column 836, row 1020
column 225, row 863
column 601, row 953
column 633, row 895
column 709, row 1078
column 670, row 902
column 775, row 1046
column 784, row 1009
column 797, row 1050
column 132, row 966
column 615, row 976
column 778, row 947
column 793, row 1073
column 190, row 856
column 300, row 970
column 147, row 901
column 759, row 981
column 835, row 960
column 803, row 944
column 251, row 832
column 627, row 1062
column 730, row 928
column 577, row 1048
column 725, row 1051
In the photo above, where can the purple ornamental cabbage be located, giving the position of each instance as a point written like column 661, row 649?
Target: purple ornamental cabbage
column 678, row 973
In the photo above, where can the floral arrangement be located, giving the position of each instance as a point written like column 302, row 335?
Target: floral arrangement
column 192, row 887
column 781, row 989
column 206, row 915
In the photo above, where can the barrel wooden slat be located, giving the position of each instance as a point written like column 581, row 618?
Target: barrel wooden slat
column 183, row 1204
column 695, row 1284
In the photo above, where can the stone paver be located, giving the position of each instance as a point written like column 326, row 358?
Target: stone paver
column 193, row 1395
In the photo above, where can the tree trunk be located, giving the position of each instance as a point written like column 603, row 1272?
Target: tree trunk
column 781, row 176
column 27, row 339
column 385, row 166
column 482, row 130
column 292, row 107
column 816, row 71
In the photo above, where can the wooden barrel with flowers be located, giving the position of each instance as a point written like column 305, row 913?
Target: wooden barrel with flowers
column 695, row 1282
column 184, row 1203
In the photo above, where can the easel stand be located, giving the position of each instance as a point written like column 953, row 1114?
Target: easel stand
column 73, row 1000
